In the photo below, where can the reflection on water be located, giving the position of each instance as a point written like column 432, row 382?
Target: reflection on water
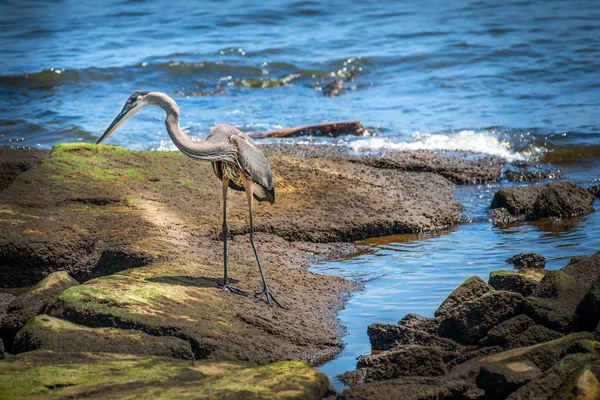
column 415, row 273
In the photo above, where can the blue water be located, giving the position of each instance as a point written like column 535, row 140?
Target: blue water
column 68, row 66
column 512, row 78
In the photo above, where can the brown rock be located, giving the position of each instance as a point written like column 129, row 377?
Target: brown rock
column 527, row 260
column 472, row 320
column 502, row 333
column 533, row 335
column 584, row 269
column 389, row 336
column 562, row 200
column 500, row 379
column 404, row 361
column 517, row 200
column 35, row 301
column 588, row 309
column 471, row 289
column 514, row 282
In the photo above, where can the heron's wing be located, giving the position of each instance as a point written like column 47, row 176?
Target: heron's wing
column 254, row 163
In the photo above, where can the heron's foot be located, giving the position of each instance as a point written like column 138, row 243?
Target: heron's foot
column 226, row 287
column 268, row 297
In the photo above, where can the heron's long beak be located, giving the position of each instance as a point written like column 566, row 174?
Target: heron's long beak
column 123, row 116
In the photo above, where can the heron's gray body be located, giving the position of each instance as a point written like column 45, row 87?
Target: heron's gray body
column 236, row 161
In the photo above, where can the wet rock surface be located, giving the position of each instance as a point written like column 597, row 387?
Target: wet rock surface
column 556, row 200
column 532, row 346
column 527, row 261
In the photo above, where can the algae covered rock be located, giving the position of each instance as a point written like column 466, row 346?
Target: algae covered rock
column 45, row 332
column 500, row 379
column 472, row 320
column 470, row 289
column 33, row 302
column 52, row 375
column 584, row 269
column 518, row 282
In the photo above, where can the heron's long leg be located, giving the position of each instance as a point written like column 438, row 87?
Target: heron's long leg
column 225, row 283
column 249, row 186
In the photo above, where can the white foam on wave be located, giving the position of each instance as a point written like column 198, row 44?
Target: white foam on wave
column 466, row 141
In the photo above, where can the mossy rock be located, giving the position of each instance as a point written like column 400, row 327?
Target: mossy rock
column 518, row 282
column 555, row 284
column 45, row 374
column 470, row 289
column 45, row 332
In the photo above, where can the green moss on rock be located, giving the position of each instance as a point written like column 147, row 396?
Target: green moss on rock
column 45, row 374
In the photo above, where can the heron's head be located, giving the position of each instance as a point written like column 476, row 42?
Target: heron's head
column 134, row 103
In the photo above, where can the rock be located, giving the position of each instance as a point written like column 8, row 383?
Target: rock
column 544, row 356
column 571, row 378
column 16, row 161
column 35, row 301
column 517, row 200
column 562, row 200
column 501, row 334
column 45, row 332
column 514, row 281
column 5, row 300
column 501, row 216
column 594, row 190
column 533, row 335
column 554, row 301
column 500, row 379
column 584, row 269
column 420, row 323
column 527, row 260
column 78, row 375
column 472, row 320
column 557, row 284
column 138, row 201
column 404, row 361
column 472, row 355
column 1, row 349
column 471, row 289
column 389, row 336
column 531, row 176
column 588, row 309
column 354, row 378
column 409, row 388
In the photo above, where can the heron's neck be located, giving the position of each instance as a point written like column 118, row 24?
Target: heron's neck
column 203, row 150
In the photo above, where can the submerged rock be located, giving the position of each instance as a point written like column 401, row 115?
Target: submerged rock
column 471, row 289
column 45, row 332
column 117, row 376
column 33, row 302
column 527, row 260
column 594, row 190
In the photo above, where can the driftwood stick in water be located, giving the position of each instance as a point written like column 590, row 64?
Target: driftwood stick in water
column 331, row 129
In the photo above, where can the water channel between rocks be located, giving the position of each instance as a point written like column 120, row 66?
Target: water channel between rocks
column 414, row 273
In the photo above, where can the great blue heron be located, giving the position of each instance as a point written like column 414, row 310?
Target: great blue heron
column 236, row 161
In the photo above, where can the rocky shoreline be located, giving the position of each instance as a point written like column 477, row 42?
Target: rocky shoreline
column 124, row 250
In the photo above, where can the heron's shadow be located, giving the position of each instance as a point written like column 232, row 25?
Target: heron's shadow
column 200, row 281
